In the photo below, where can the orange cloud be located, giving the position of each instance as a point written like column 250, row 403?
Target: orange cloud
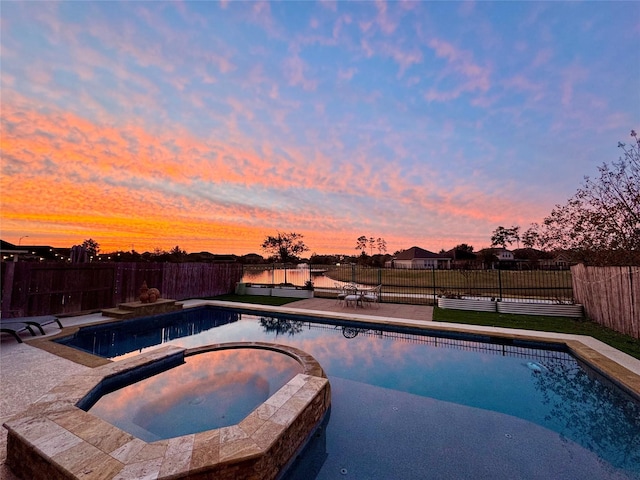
column 66, row 178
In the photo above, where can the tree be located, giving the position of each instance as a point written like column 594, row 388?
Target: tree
column 381, row 245
column 378, row 243
column 176, row 254
column 505, row 236
column 531, row 237
column 602, row 219
column 362, row 243
column 177, row 251
column 91, row 246
column 464, row 248
column 285, row 246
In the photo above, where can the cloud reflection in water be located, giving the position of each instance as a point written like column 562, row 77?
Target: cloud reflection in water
column 210, row 390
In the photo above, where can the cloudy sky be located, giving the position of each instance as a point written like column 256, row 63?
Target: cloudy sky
column 210, row 125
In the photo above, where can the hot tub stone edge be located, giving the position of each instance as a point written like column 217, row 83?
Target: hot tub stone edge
column 55, row 439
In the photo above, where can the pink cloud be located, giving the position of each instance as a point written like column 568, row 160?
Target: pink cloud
column 405, row 58
column 520, row 82
column 339, row 25
column 571, row 76
column 347, row 74
column 473, row 77
column 295, row 71
column 386, row 24
column 542, row 57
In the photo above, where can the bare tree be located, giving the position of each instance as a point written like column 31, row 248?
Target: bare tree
column 604, row 214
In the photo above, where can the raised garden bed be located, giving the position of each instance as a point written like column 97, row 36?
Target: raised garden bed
column 273, row 290
column 516, row 308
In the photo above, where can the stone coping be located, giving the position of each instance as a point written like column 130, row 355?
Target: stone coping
column 55, row 439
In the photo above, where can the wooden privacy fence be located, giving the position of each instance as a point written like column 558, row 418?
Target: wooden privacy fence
column 610, row 295
column 31, row 289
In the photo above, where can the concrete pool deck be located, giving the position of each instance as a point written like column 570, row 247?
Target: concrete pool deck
column 27, row 372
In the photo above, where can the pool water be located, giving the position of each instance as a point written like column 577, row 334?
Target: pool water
column 209, row 390
column 404, row 403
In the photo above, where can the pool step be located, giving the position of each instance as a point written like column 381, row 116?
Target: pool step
column 139, row 309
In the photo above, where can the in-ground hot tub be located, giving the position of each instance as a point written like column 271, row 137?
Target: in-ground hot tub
column 206, row 391
column 57, row 438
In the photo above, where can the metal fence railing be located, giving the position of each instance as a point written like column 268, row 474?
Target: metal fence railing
column 423, row 286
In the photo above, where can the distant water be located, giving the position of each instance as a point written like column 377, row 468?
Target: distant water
column 296, row 276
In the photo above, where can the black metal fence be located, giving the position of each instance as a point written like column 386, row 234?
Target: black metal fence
column 423, row 286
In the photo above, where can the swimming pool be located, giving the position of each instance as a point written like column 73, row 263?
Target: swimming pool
column 405, row 403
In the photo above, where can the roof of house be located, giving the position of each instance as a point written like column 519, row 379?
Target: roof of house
column 417, row 252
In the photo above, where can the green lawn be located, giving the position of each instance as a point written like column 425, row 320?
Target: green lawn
column 259, row 299
column 624, row 343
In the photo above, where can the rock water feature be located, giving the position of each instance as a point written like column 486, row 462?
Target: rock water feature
column 149, row 303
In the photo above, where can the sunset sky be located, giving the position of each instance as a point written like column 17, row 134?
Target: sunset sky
column 147, row 125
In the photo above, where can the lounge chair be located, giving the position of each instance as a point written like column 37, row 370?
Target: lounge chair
column 40, row 321
column 13, row 326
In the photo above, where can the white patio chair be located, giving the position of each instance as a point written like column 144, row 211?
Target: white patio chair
column 352, row 296
column 341, row 293
column 372, row 297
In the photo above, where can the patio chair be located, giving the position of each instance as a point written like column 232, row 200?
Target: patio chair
column 372, row 297
column 40, row 321
column 13, row 327
column 352, row 295
column 341, row 292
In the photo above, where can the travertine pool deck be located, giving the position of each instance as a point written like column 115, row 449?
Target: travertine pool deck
column 28, row 373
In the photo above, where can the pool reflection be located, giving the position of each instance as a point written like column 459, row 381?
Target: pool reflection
column 210, row 390
column 586, row 408
column 134, row 335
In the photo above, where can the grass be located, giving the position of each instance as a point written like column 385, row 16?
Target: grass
column 624, row 343
column 259, row 299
